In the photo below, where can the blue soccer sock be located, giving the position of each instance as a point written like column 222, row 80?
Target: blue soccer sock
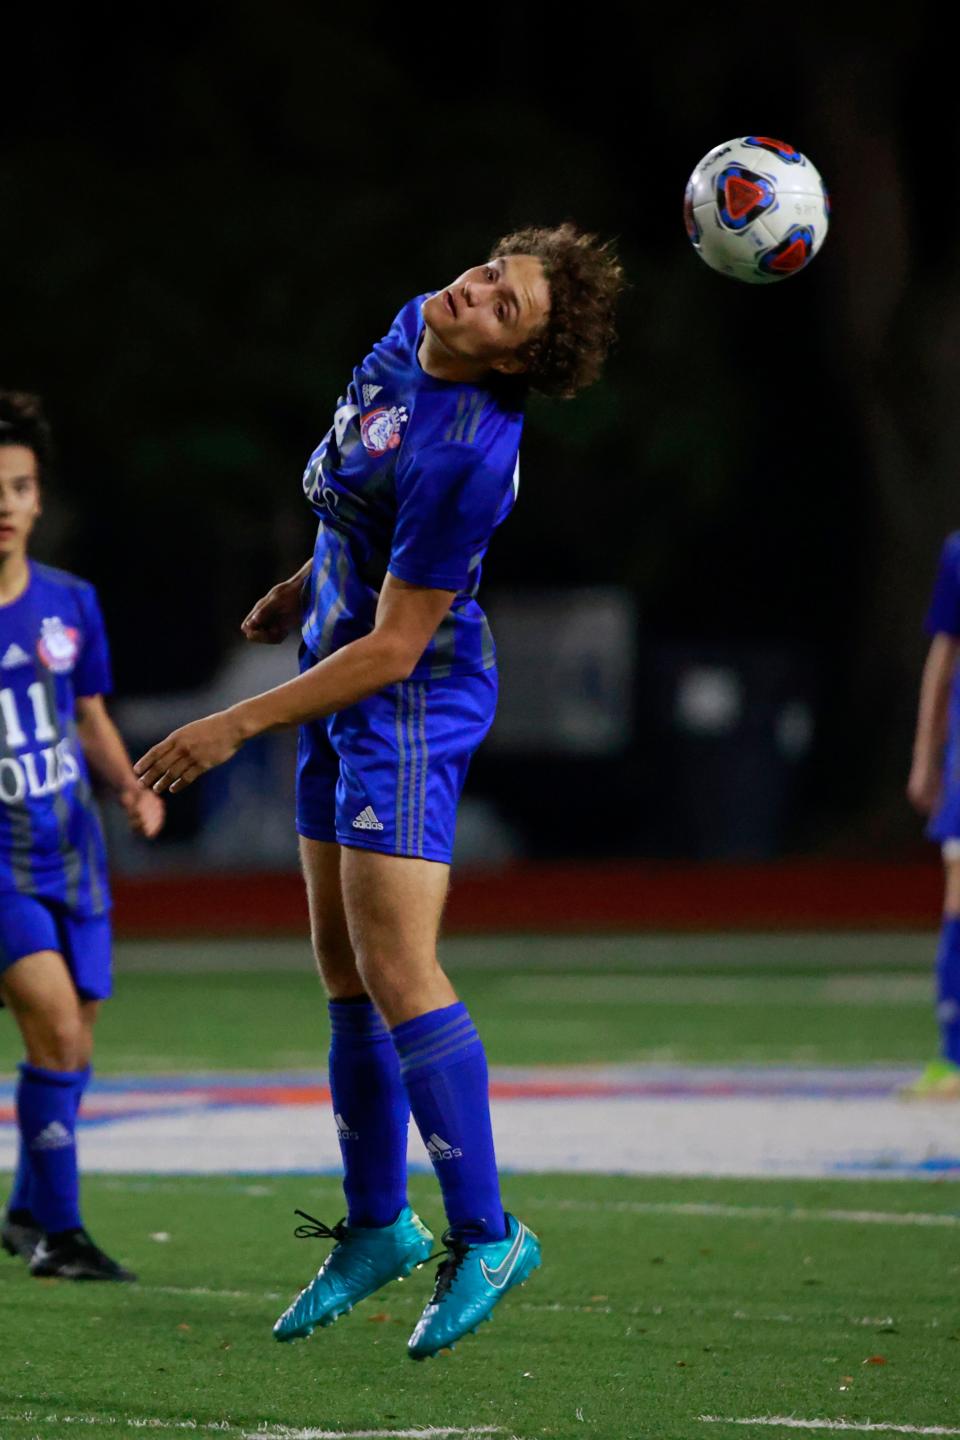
column 948, row 988
column 445, row 1071
column 19, row 1205
column 46, row 1114
column 21, row 1193
column 371, row 1110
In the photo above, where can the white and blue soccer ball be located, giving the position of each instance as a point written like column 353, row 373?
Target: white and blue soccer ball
column 756, row 209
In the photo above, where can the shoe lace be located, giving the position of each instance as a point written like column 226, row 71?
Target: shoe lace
column 451, row 1257
column 316, row 1230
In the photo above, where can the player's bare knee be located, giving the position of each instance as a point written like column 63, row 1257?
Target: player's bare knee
column 400, row 985
column 951, row 876
column 58, row 1044
column 337, row 967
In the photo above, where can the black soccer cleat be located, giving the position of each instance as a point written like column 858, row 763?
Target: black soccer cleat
column 20, row 1233
column 72, row 1255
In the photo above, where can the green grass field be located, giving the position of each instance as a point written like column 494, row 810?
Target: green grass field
column 661, row 1301
column 818, row 999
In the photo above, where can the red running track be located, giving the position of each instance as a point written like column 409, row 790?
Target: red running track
column 565, row 898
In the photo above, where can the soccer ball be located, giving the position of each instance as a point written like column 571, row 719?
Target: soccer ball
column 756, row 209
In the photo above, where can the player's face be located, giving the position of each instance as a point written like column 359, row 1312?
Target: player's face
column 19, row 498
column 490, row 312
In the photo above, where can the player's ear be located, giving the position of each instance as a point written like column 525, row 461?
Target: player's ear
column 510, row 364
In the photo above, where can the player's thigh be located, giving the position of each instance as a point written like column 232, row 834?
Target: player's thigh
column 320, row 861
column 394, row 905
column 951, row 878
column 50, row 996
column 39, row 992
column 89, row 1014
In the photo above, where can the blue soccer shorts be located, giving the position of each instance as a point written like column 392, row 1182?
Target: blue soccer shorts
column 28, row 925
column 386, row 774
column 944, row 824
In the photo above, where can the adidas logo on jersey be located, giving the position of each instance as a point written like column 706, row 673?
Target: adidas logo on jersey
column 439, row 1149
column 367, row 820
column 55, row 1136
column 14, row 655
column 370, row 393
column 343, row 1129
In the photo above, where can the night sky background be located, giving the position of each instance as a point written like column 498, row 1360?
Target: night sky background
column 205, row 223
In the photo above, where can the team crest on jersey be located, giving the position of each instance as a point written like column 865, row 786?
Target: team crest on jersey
column 58, row 645
column 380, row 429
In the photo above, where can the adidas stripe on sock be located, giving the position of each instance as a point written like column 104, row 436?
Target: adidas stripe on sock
column 444, row 1068
column 371, row 1112
column 46, row 1115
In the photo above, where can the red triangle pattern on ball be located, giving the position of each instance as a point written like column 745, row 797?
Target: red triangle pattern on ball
column 741, row 196
column 793, row 258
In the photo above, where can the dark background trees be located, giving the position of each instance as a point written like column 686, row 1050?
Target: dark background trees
column 208, row 214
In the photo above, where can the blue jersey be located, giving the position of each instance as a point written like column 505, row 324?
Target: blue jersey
column 53, row 649
column 413, row 477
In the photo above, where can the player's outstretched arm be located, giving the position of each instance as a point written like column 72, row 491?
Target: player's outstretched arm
column 107, row 757
column 407, row 616
column 278, row 613
column 926, row 771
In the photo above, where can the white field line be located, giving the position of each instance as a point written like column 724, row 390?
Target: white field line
column 705, row 1211
column 865, row 1427
column 258, row 1296
column 429, row 1432
column 133, row 1422
column 549, row 1307
column 207, row 1294
column 264, row 1431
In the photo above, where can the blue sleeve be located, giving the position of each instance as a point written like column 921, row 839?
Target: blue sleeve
column 447, row 504
column 943, row 616
column 91, row 674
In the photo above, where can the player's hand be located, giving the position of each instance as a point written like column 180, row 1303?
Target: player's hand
column 188, row 752
column 924, row 787
column 272, row 618
column 144, row 810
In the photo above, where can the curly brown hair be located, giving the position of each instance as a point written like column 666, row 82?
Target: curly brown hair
column 22, row 422
column 586, row 278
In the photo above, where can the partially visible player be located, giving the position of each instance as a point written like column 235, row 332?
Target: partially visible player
column 54, row 893
column 934, row 789
column 398, row 688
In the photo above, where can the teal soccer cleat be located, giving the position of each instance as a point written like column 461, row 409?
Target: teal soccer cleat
column 469, row 1283
column 361, row 1261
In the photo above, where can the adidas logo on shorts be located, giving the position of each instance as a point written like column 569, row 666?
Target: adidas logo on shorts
column 367, row 820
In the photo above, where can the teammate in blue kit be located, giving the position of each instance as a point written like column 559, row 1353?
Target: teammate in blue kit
column 397, row 689
column 934, row 788
column 54, row 894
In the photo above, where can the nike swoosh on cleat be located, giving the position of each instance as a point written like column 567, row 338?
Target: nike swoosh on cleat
column 499, row 1277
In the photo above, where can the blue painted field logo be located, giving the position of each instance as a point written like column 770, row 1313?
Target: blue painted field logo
column 380, row 429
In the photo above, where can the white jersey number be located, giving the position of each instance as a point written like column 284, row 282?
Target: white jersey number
column 42, row 727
